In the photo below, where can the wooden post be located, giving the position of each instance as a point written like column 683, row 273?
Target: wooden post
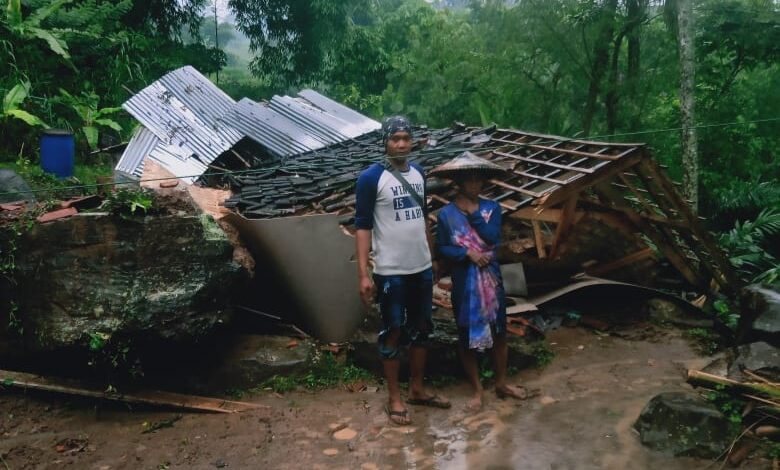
column 567, row 219
column 541, row 252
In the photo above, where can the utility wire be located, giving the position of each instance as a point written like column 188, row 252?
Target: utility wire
column 293, row 168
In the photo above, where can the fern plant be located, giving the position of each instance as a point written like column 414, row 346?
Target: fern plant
column 744, row 245
column 30, row 27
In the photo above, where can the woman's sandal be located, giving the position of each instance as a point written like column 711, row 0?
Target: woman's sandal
column 400, row 418
column 434, row 401
column 524, row 393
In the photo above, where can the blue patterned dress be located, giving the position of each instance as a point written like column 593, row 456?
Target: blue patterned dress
column 477, row 293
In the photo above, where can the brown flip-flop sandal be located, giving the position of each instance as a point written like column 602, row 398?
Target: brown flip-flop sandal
column 397, row 416
column 524, row 395
column 434, row 401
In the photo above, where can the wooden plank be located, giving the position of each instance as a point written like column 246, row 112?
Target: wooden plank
column 732, row 284
column 544, row 162
column 658, row 238
column 539, row 177
column 562, row 230
column 656, row 193
column 546, row 215
column 640, row 255
column 617, row 220
column 677, row 224
column 541, row 252
column 599, row 156
column 515, row 188
column 146, row 397
column 569, row 140
column 555, row 197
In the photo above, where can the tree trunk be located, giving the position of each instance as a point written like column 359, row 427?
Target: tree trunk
column 690, row 157
column 600, row 59
column 611, row 100
column 636, row 12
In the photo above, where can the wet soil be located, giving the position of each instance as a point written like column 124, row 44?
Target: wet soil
column 590, row 396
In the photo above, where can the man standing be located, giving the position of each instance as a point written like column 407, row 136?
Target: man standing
column 390, row 217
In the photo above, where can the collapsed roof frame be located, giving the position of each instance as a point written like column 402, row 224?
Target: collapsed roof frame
column 551, row 178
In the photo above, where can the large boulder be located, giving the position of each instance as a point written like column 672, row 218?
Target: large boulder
column 684, row 424
column 164, row 278
column 761, row 319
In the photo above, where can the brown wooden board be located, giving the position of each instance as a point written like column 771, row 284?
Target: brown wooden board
column 27, row 381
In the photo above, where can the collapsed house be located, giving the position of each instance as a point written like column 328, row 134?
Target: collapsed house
column 291, row 165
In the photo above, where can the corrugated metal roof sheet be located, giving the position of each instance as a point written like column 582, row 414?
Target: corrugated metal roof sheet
column 139, row 147
column 362, row 123
column 280, row 135
column 185, row 109
column 188, row 122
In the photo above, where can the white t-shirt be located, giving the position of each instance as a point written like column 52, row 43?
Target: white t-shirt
column 396, row 221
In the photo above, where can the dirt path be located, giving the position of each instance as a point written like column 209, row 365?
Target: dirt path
column 590, row 396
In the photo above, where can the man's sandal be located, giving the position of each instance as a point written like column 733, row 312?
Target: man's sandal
column 401, row 418
column 433, row 401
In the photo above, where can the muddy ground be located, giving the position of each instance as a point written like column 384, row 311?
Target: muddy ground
column 591, row 394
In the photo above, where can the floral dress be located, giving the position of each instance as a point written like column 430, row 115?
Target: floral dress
column 477, row 293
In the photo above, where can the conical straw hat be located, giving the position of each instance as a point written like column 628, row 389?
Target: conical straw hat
column 464, row 163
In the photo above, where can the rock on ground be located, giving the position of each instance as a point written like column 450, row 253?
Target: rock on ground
column 761, row 321
column 684, row 424
column 250, row 360
column 157, row 278
column 759, row 357
column 11, row 182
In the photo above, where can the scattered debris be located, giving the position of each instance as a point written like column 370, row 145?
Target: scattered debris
column 355, row 387
column 71, row 445
column 335, row 427
column 764, row 393
column 82, row 202
column 58, row 214
column 157, row 425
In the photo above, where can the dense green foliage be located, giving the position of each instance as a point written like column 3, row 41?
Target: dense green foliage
column 607, row 69
column 78, row 60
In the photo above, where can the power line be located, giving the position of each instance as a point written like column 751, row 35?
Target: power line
column 413, row 155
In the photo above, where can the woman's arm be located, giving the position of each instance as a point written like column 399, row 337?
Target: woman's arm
column 444, row 241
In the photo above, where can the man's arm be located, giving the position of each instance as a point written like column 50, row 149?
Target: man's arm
column 432, row 248
column 365, row 195
column 363, row 247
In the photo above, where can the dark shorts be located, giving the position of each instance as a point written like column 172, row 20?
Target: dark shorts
column 405, row 303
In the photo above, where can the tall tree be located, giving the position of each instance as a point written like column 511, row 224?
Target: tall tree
column 686, row 47
column 293, row 40
column 599, row 61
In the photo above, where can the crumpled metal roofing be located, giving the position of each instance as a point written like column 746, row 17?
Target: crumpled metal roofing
column 184, row 109
column 140, row 146
column 188, row 122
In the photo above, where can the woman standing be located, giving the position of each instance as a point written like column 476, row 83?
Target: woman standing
column 468, row 233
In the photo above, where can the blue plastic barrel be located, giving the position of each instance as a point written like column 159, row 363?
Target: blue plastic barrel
column 58, row 150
